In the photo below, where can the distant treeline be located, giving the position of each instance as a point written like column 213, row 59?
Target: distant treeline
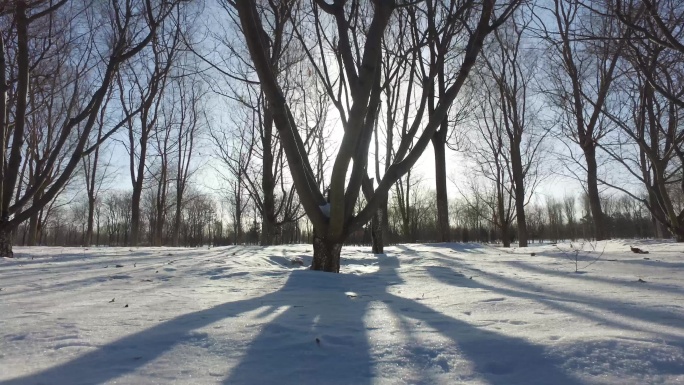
column 202, row 223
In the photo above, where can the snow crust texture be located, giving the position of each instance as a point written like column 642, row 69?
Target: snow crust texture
column 419, row 314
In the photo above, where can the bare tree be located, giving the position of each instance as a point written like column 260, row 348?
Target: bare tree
column 405, row 193
column 96, row 173
column 554, row 211
column 142, row 88
column 489, row 153
column 125, row 29
column 513, row 69
column 266, row 179
column 159, row 172
column 236, row 149
column 507, row 142
column 651, row 147
column 49, row 105
column 398, row 86
column 655, row 28
column 479, row 207
column 445, row 61
column 189, row 123
column 359, row 87
column 582, row 71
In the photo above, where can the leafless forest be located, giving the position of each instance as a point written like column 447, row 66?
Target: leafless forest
column 195, row 123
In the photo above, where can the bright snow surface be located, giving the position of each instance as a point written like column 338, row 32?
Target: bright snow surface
column 420, row 314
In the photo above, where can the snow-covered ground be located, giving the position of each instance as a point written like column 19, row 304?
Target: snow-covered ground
column 421, row 314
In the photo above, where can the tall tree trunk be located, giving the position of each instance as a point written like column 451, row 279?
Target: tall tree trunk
column 161, row 205
column 3, row 131
column 268, row 216
column 268, row 230
column 177, row 219
column 503, row 221
column 518, row 178
column 439, row 144
column 600, row 231
column 91, row 221
column 159, row 229
column 326, row 255
column 377, row 231
column 97, row 236
column 659, row 230
column 237, row 226
column 662, row 230
column 91, row 187
column 135, row 214
column 138, row 180
column 11, row 168
column 506, row 234
column 385, row 221
column 34, row 222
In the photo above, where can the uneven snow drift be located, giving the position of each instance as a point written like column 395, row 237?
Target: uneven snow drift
column 420, row 314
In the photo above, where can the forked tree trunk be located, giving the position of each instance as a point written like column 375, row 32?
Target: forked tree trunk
column 326, row 255
column 6, row 244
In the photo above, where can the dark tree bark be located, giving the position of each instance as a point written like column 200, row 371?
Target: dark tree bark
column 597, row 216
column 10, row 176
column 439, row 63
column 137, row 179
column 160, row 203
column 268, row 214
column 439, row 145
column 326, row 255
column 3, row 131
column 519, row 181
column 504, row 223
column 33, row 225
column 6, row 244
column 91, row 167
column 377, row 233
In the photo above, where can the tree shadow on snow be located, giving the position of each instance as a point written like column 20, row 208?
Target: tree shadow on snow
column 569, row 274
column 629, row 315
column 456, row 247
column 325, row 344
